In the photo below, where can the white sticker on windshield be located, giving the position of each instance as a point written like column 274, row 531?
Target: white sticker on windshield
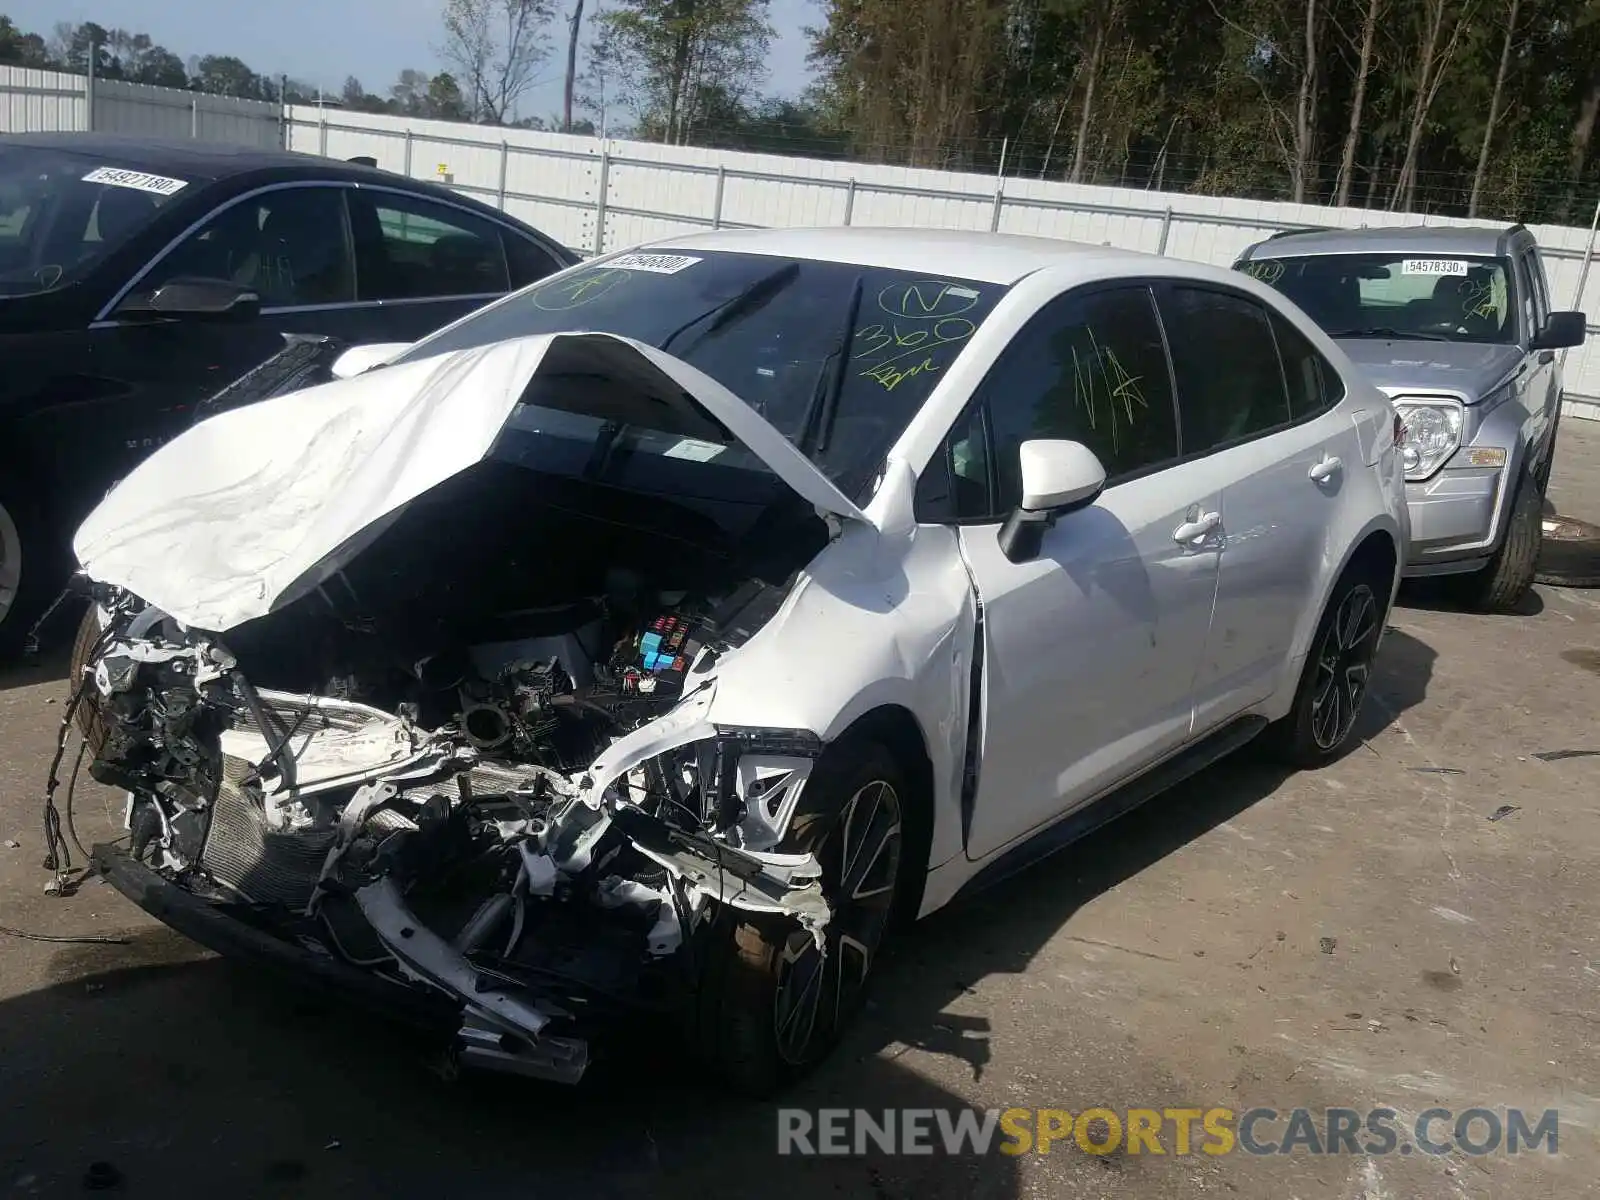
column 156, row 185
column 694, row 450
column 1434, row 266
column 656, row 264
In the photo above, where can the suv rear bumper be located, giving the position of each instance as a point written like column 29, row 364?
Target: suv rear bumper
column 1456, row 519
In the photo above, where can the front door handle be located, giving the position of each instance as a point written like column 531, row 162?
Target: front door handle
column 1325, row 470
column 1193, row 531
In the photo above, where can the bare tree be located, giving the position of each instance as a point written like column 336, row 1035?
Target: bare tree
column 1438, row 40
column 1101, row 17
column 572, row 66
column 1494, row 110
column 1352, row 137
column 1305, row 128
column 496, row 46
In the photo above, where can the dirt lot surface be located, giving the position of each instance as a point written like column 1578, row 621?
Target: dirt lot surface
column 1365, row 936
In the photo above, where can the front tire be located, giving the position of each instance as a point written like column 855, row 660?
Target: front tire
column 1337, row 674
column 1500, row 586
column 772, row 1003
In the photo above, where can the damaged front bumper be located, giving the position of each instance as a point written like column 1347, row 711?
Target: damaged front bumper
column 515, row 909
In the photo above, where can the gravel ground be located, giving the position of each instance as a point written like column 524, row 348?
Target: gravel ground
column 1363, row 936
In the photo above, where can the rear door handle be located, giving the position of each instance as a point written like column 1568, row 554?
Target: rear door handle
column 1193, row 531
column 1325, row 470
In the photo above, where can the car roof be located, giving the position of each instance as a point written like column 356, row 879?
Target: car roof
column 1000, row 258
column 1478, row 240
column 215, row 161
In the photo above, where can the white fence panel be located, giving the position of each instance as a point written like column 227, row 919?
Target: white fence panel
column 594, row 195
column 42, row 101
column 139, row 109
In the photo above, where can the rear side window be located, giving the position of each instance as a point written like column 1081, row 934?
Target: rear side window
column 427, row 251
column 1230, row 384
column 1314, row 386
column 1088, row 368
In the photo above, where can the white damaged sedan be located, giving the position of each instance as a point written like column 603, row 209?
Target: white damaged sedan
column 655, row 639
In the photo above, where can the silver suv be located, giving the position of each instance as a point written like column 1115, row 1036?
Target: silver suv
column 1455, row 326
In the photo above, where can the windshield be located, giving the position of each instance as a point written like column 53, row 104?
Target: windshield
column 770, row 330
column 61, row 213
column 1451, row 298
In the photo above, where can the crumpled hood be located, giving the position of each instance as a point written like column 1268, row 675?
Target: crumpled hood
column 1473, row 369
column 251, row 509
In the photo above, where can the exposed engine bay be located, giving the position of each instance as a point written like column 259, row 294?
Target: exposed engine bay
column 495, row 783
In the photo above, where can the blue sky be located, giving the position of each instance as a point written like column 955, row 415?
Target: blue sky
column 322, row 41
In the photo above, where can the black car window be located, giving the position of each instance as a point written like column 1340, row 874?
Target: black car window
column 1230, row 383
column 426, row 250
column 529, row 262
column 1314, row 385
column 291, row 245
column 63, row 212
column 1087, row 368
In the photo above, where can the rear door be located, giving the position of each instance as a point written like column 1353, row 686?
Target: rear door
column 1090, row 648
column 1260, row 408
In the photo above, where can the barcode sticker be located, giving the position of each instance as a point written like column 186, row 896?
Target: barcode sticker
column 156, row 185
column 1434, row 266
column 657, row 264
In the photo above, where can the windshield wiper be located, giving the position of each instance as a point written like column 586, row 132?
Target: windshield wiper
column 752, row 296
column 825, row 402
column 1385, row 331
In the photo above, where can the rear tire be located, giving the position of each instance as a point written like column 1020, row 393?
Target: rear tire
column 1500, row 586
column 770, row 1006
column 30, row 563
column 1338, row 671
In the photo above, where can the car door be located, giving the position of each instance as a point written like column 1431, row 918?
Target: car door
column 288, row 243
column 1542, row 394
column 1259, row 406
column 1090, row 648
column 422, row 262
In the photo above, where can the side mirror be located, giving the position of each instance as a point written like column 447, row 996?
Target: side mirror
column 1561, row 331
column 204, row 299
column 358, row 360
column 1057, row 477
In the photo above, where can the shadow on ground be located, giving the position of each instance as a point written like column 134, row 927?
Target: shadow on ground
column 189, row 1075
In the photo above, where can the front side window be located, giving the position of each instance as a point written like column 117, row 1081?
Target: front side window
column 1230, row 383
column 62, row 213
column 291, row 245
column 425, row 250
column 1453, row 298
column 1088, row 368
column 836, row 356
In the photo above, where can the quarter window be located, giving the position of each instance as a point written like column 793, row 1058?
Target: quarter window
column 290, row 245
column 1230, row 384
column 427, row 250
column 1314, row 385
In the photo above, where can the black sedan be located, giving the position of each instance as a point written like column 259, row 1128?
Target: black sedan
column 139, row 277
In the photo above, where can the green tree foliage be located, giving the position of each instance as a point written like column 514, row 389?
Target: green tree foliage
column 680, row 65
column 1451, row 106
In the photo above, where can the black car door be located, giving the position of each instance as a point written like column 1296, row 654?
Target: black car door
column 290, row 244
